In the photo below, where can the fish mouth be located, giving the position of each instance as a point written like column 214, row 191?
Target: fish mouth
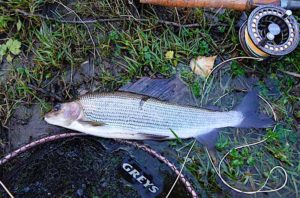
column 48, row 115
column 50, row 121
column 47, row 119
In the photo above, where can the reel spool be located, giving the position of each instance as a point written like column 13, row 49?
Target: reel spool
column 270, row 31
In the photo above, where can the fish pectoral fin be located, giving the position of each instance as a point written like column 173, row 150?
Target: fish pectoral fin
column 90, row 123
column 209, row 139
column 150, row 136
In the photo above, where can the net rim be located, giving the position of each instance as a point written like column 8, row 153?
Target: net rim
column 143, row 147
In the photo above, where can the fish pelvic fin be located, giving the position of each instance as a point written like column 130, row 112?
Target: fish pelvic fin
column 249, row 108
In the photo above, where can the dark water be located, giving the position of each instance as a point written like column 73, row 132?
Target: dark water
column 89, row 167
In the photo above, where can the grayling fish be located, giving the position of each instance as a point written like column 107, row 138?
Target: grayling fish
column 131, row 116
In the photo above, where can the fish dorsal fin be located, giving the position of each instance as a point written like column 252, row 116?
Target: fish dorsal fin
column 171, row 90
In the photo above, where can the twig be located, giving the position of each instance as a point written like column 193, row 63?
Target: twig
column 54, row 19
column 45, row 92
column 178, row 18
column 213, row 45
column 291, row 73
column 136, row 10
column 127, row 18
column 228, row 32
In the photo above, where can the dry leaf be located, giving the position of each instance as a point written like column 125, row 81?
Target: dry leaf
column 203, row 66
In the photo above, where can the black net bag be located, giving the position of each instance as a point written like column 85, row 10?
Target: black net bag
column 76, row 165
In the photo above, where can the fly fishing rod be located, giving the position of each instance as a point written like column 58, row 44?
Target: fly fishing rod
column 230, row 4
column 271, row 31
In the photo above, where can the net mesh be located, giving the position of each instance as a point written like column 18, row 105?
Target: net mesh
column 88, row 167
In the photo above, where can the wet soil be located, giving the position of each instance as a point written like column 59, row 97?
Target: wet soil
column 26, row 125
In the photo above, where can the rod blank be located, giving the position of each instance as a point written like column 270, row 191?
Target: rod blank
column 230, row 4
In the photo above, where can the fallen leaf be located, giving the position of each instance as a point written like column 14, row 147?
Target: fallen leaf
column 203, row 65
column 169, row 55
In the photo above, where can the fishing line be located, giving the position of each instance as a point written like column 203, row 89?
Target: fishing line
column 218, row 171
column 90, row 35
column 180, row 172
column 6, row 190
column 219, row 65
column 87, row 28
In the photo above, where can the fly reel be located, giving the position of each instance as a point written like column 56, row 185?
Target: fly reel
column 270, row 31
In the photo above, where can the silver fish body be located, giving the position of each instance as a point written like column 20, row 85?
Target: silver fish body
column 141, row 117
column 131, row 116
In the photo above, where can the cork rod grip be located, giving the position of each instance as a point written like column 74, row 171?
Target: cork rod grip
column 231, row 4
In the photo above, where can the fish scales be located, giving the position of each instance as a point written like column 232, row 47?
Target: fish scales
column 123, row 110
column 131, row 116
column 107, row 113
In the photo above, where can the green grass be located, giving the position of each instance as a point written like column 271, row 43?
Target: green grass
column 127, row 50
column 144, row 51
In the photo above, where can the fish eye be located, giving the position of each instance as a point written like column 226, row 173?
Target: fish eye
column 57, row 107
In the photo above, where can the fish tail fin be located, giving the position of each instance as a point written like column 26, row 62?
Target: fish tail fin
column 249, row 108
